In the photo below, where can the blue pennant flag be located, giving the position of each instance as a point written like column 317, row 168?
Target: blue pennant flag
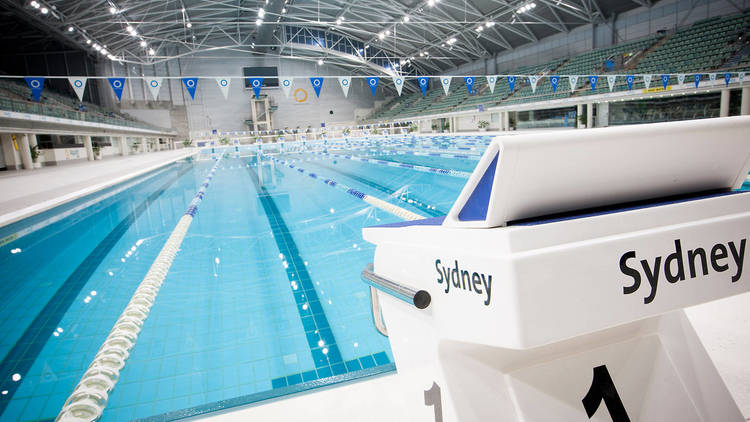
column 592, row 81
column 317, row 83
column 697, row 78
column 665, row 80
column 190, row 84
column 372, row 81
column 469, row 83
column 256, row 83
column 36, row 85
column 727, row 78
column 117, row 85
column 512, row 82
column 554, row 80
column 630, row 79
column 423, row 82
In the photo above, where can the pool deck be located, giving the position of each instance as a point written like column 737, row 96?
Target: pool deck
column 27, row 192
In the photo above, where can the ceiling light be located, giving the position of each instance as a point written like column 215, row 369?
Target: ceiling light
column 406, row 18
column 421, row 54
column 88, row 41
column 111, row 57
column 71, row 29
column 381, row 35
column 151, row 51
column 112, row 10
column 411, row 58
column 430, row 3
column 452, row 41
column 258, row 21
column 387, row 32
column 34, row 4
column 129, row 28
column 144, row 44
column 283, row 10
column 426, row 53
column 97, row 47
column 479, row 28
column 320, row 62
column 189, row 25
column 44, row 10
column 489, row 24
column 366, row 47
column 134, row 33
column 261, row 12
column 183, row 10
column 104, row 51
column 338, row 21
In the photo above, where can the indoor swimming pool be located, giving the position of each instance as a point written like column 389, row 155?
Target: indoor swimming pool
column 263, row 300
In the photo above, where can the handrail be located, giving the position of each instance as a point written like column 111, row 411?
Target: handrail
column 419, row 298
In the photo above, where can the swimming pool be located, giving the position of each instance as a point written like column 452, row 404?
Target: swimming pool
column 263, row 299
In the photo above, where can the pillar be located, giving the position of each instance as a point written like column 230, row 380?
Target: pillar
column 23, row 148
column 506, row 120
column 745, row 105
column 602, row 114
column 89, row 147
column 724, row 107
column 589, row 115
column 124, row 149
column 579, row 113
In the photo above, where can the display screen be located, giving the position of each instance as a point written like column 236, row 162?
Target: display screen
column 269, row 75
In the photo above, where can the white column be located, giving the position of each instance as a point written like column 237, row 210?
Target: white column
column 23, row 148
column 589, row 115
column 124, row 148
column 724, row 107
column 506, row 120
column 745, row 104
column 579, row 113
column 89, row 147
column 33, row 143
column 602, row 114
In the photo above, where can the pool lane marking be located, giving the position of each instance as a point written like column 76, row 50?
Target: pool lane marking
column 416, row 167
column 327, row 358
column 24, row 353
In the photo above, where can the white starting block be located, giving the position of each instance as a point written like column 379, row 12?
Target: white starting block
column 554, row 288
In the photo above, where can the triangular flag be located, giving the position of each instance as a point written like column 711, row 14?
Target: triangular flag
column 469, row 80
column 117, row 85
column 154, row 85
column 79, row 86
column 491, row 80
column 190, row 84
column 533, row 80
column 345, row 84
column 446, row 82
column 423, row 83
column 665, row 80
column 372, row 82
column 512, row 82
column 712, row 77
column 592, row 81
column 681, row 79
column 223, row 86
column 697, row 78
column 399, row 82
column 630, row 79
column 317, row 83
column 256, row 84
column 611, row 79
column 573, row 80
column 741, row 76
column 554, row 81
column 286, row 86
column 36, row 85
column 647, row 81
column 727, row 78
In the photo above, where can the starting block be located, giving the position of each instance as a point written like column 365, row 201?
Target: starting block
column 554, row 288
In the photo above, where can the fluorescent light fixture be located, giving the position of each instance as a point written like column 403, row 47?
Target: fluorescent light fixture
column 71, row 29
column 320, row 62
column 189, row 25
column 44, row 10
column 381, row 35
column 258, row 21
column 151, row 52
column 129, row 28
column 261, row 12
column 430, row 3
column 283, row 10
column 88, row 41
column 387, row 32
column 112, row 10
column 144, row 44
column 406, row 18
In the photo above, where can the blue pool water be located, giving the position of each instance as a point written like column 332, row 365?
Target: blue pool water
column 263, row 299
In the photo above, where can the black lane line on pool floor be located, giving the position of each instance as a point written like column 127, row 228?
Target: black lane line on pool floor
column 26, row 350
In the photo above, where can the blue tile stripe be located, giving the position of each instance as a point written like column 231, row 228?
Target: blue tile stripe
column 365, row 362
column 327, row 357
column 26, row 350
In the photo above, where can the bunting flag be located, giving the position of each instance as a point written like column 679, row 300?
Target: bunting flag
column 712, row 77
column 512, row 82
column 256, row 84
column 190, row 84
column 446, row 82
column 399, row 82
column 423, row 82
column 372, row 82
column 533, row 79
column 345, row 83
column 154, row 85
column 727, row 78
column 741, row 76
column 573, row 79
column 647, row 81
column 592, row 81
column 36, row 85
column 630, row 79
column 681, row 79
column 554, row 81
column 79, row 86
column 697, row 78
column 469, row 80
column 286, row 86
column 117, row 86
column 611, row 79
column 317, row 83
column 665, row 81
column 223, row 86
column 491, row 82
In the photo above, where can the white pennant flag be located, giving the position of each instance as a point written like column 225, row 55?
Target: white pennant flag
column 491, row 82
column 399, row 82
column 79, row 86
column 223, row 86
column 573, row 79
column 286, row 86
column 345, row 84
column 681, row 79
column 647, row 81
column 154, row 85
column 611, row 82
column 741, row 76
column 533, row 79
column 446, row 82
column 712, row 77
